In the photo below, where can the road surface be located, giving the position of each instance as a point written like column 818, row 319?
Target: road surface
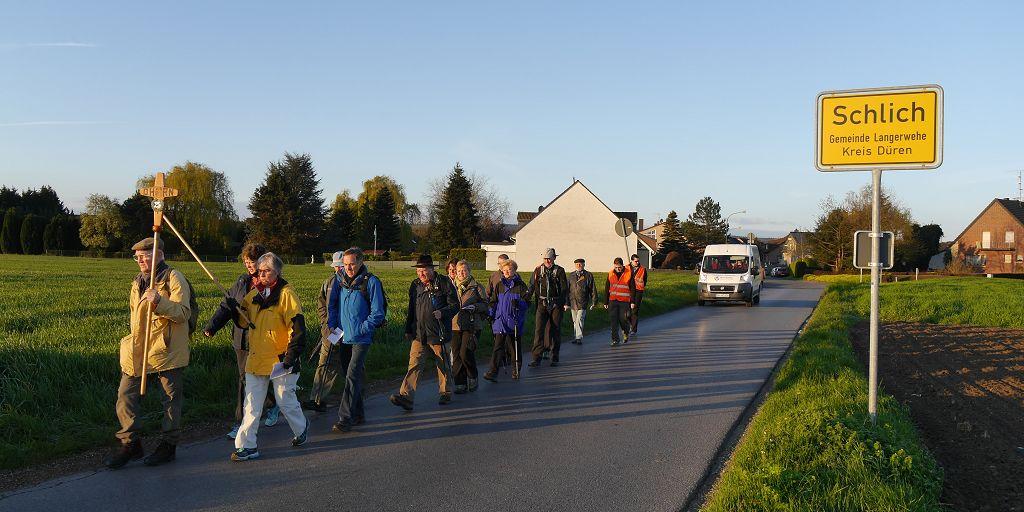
column 632, row 427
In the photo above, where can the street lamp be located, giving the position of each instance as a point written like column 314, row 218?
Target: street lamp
column 730, row 215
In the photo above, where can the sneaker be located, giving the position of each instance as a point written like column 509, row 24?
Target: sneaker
column 515, row 373
column 243, row 454
column 301, row 439
column 342, row 427
column 615, row 343
column 273, row 414
column 234, row 432
column 164, row 453
column 473, row 384
column 313, row 405
column 491, row 376
column 534, row 363
column 127, row 452
column 625, row 339
column 460, row 389
column 444, row 399
column 401, row 401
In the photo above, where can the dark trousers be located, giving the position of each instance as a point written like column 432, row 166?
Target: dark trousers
column 634, row 314
column 352, row 399
column 129, row 405
column 463, row 356
column 334, row 361
column 618, row 316
column 506, row 351
column 547, row 333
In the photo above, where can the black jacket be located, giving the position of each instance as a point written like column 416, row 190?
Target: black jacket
column 223, row 314
column 549, row 288
column 439, row 295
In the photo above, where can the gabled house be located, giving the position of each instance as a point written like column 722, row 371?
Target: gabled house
column 578, row 225
column 990, row 240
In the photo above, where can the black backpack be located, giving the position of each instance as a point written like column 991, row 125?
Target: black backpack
column 363, row 287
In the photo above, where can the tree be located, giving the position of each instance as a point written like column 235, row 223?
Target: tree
column 43, row 202
column 287, row 208
column 9, row 242
column 203, row 210
column 832, row 239
column 386, row 221
column 102, row 223
column 492, row 208
column 342, row 223
column 456, row 222
column 919, row 248
column 705, row 225
column 61, row 234
column 673, row 241
column 32, row 228
column 9, row 198
column 137, row 212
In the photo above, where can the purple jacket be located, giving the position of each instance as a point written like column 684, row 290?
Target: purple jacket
column 508, row 305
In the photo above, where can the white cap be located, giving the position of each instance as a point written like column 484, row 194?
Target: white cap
column 336, row 259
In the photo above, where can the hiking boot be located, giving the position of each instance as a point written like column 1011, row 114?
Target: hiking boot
column 401, row 401
column 234, row 431
column 313, row 405
column 460, row 389
column 164, row 453
column 301, row 439
column 615, row 343
column 515, row 373
column 625, row 339
column 342, row 427
column 444, row 399
column 127, row 452
column 535, row 363
column 491, row 376
column 243, row 454
column 473, row 384
column 273, row 414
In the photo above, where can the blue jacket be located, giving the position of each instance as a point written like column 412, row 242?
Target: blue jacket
column 509, row 305
column 348, row 308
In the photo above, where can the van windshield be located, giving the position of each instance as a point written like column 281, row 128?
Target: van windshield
column 725, row 264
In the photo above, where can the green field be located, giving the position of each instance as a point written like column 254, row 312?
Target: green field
column 811, row 445
column 62, row 318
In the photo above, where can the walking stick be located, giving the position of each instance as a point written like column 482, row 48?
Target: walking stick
column 158, row 192
column 200, row 262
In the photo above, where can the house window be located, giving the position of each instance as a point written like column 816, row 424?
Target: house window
column 986, row 240
column 1009, row 238
column 1007, row 258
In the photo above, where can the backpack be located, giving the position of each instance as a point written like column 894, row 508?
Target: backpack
column 363, row 287
column 193, row 305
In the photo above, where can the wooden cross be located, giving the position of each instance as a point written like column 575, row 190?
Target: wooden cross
column 158, row 192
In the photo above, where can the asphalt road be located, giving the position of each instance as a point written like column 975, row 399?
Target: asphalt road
column 625, row 428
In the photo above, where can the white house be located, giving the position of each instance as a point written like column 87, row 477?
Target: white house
column 578, row 225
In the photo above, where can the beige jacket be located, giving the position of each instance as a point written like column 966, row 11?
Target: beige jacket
column 168, row 336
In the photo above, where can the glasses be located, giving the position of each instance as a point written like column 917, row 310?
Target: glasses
column 139, row 257
column 265, row 271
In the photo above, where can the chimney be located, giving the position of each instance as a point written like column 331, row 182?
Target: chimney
column 640, row 224
column 540, row 209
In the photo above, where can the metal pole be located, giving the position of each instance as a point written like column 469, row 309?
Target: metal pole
column 876, row 234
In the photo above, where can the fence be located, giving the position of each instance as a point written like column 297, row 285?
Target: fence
column 184, row 256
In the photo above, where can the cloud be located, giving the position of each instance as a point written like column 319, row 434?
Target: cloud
column 12, row 46
column 50, row 123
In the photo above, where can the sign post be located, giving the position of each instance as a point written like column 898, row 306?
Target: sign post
column 871, row 130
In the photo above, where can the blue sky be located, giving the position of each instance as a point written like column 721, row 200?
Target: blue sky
column 653, row 104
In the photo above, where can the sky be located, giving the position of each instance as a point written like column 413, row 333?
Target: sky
column 653, row 105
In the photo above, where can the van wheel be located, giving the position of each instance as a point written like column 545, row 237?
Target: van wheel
column 757, row 299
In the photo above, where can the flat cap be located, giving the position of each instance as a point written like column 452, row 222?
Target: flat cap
column 146, row 244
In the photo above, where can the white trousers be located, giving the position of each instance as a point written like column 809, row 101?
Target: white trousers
column 579, row 316
column 255, row 393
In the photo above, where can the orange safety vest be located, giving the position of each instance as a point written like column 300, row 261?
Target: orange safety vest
column 619, row 286
column 641, row 273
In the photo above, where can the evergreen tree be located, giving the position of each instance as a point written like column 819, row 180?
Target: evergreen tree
column 43, row 202
column 137, row 212
column 386, row 221
column 9, row 242
column 455, row 220
column 342, row 223
column 287, row 208
column 672, row 240
column 705, row 225
column 32, row 227
column 61, row 234
column 9, row 198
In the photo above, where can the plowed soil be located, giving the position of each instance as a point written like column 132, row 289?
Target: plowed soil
column 965, row 390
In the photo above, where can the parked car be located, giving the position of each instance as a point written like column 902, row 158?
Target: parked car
column 781, row 271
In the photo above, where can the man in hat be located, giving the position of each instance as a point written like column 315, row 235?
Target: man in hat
column 550, row 289
column 582, row 295
column 432, row 305
column 169, row 299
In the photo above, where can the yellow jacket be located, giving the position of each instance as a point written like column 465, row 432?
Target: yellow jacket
column 271, row 334
column 168, row 335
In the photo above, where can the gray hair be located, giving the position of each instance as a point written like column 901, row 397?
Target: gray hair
column 273, row 260
column 355, row 251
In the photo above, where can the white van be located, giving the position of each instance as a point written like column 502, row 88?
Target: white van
column 730, row 273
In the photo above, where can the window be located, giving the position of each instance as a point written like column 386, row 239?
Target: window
column 986, row 240
column 1007, row 258
column 1009, row 237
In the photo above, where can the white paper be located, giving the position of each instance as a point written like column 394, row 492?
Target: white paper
column 335, row 336
column 279, row 371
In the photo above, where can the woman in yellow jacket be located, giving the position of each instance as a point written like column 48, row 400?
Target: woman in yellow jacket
column 277, row 332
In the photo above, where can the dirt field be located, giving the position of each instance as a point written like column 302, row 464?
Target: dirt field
column 965, row 389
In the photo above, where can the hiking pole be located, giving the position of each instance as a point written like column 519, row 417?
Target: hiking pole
column 200, row 262
column 158, row 192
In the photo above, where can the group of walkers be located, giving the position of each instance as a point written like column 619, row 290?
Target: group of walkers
column 445, row 319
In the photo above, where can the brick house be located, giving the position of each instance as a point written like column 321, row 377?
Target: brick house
column 990, row 240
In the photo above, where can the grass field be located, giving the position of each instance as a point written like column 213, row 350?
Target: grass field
column 811, row 445
column 62, row 319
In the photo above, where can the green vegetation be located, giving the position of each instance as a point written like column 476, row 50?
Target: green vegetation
column 63, row 317
column 811, row 445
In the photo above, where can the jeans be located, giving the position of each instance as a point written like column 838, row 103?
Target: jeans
column 129, row 405
column 352, row 399
column 255, row 389
column 579, row 316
